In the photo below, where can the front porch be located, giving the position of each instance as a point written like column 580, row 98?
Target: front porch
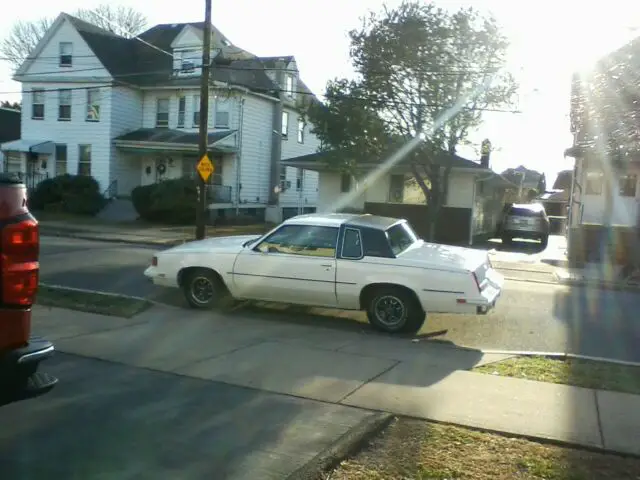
column 148, row 156
column 31, row 160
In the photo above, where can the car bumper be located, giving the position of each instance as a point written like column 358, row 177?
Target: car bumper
column 157, row 278
column 19, row 378
column 490, row 294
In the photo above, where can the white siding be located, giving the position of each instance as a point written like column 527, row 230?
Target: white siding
column 126, row 116
column 256, row 150
column 84, row 63
column 460, row 192
column 290, row 149
column 72, row 133
column 331, row 199
column 150, row 108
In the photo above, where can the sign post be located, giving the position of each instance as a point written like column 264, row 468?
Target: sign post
column 204, row 161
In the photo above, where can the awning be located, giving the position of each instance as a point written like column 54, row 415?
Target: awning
column 164, row 139
column 44, row 147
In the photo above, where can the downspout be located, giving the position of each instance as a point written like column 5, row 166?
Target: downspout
column 239, row 154
column 473, row 210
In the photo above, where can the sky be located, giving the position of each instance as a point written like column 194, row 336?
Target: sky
column 549, row 40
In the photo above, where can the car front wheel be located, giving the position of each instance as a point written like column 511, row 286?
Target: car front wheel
column 395, row 310
column 203, row 289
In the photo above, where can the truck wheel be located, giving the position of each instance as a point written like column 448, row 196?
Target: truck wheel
column 203, row 289
column 395, row 310
column 544, row 241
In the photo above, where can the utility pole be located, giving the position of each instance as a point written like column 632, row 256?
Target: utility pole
column 204, row 127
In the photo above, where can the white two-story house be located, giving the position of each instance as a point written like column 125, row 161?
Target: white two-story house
column 126, row 111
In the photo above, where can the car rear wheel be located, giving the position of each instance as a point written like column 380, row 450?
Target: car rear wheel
column 203, row 289
column 394, row 310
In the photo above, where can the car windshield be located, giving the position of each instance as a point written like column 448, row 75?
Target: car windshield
column 401, row 237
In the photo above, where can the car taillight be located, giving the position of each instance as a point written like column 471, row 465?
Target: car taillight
column 20, row 248
column 154, row 261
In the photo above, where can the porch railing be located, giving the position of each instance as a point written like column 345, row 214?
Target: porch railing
column 219, row 193
column 31, row 180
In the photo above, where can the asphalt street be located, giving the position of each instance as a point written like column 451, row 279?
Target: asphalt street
column 107, row 420
column 530, row 316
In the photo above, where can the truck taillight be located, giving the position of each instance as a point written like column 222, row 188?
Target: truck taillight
column 20, row 283
column 21, row 242
column 19, row 267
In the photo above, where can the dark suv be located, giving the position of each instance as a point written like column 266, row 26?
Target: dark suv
column 20, row 353
column 527, row 221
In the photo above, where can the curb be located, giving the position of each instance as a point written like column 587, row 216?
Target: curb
column 84, row 236
column 562, row 356
column 562, row 280
column 347, row 445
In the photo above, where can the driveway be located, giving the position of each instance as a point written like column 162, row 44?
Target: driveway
column 107, row 420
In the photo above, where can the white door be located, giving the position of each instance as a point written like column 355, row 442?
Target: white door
column 295, row 264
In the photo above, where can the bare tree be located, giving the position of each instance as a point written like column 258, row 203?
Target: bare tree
column 23, row 37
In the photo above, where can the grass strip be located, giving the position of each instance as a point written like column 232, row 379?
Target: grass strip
column 579, row 373
column 92, row 302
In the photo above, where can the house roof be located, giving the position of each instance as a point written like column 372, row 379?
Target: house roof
column 144, row 61
column 165, row 135
column 319, row 161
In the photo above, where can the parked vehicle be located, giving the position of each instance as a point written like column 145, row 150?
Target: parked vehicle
column 20, row 353
column 527, row 221
column 345, row 261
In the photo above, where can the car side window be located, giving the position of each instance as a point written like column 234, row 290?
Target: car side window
column 307, row 240
column 352, row 244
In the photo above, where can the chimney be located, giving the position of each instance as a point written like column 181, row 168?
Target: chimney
column 485, row 153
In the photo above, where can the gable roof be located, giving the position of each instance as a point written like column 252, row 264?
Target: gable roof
column 146, row 60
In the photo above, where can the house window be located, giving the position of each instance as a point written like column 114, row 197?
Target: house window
column 93, row 105
column 84, row 160
column 37, row 104
column 283, row 177
column 345, row 183
column 162, row 112
column 300, row 130
column 628, row 185
column 594, row 184
column 222, row 113
column 13, row 162
column 288, row 82
column 61, row 159
column 285, row 125
column 299, row 179
column 182, row 107
column 64, row 105
column 196, row 110
column 66, row 54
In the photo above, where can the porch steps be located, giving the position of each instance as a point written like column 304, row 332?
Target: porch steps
column 118, row 210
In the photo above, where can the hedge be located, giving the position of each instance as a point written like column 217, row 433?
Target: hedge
column 170, row 201
column 76, row 194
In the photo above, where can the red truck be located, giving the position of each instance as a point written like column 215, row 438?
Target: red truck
column 20, row 352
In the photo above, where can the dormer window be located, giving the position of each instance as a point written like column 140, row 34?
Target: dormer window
column 288, row 84
column 66, row 54
column 187, row 66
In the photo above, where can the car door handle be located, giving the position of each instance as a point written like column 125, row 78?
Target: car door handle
column 327, row 265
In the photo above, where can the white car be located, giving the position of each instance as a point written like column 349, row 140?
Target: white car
column 345, row 261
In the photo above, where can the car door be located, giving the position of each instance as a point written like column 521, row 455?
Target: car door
column 295, row 264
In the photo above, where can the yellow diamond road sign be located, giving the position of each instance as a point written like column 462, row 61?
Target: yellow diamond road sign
column 205, row 167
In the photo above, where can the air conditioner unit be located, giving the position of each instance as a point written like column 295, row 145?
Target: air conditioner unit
column 285, row 185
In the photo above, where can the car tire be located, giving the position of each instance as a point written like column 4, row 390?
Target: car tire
column 544, row 241
column 203, row 289
column 506, row 240
column 410, row 313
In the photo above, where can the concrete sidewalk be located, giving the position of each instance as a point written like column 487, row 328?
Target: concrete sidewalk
column 423, row 379
column 137, row 235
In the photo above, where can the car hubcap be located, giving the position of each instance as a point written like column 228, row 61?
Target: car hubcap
column 389, row 311
column 202, row 290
